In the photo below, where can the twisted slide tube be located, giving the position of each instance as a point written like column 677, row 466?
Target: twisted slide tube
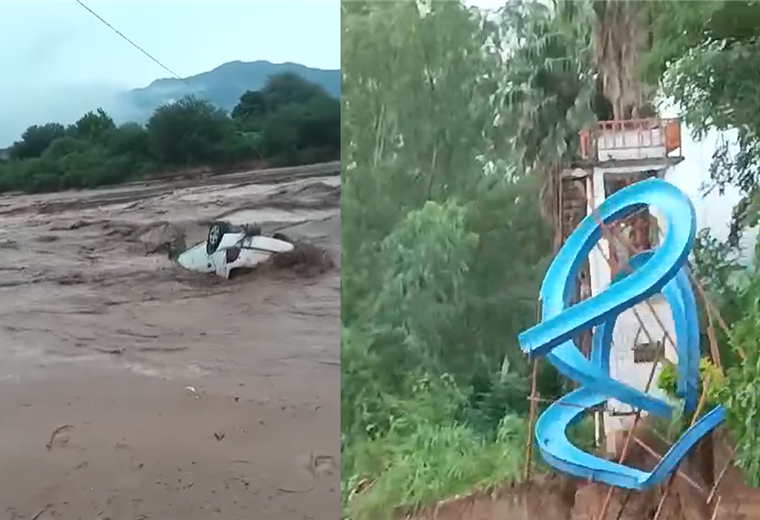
column 661, row 270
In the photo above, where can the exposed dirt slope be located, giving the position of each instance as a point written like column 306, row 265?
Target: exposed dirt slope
column 563, row 499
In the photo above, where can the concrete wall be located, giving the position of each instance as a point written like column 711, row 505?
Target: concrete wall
column 627, row 334
column 628, row 329
column 631, row 144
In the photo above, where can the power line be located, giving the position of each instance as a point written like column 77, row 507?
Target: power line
column 133, row 44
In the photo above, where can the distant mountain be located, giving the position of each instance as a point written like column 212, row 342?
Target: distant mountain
column 223, row 86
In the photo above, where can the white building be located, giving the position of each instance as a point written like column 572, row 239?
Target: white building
column 614, row 155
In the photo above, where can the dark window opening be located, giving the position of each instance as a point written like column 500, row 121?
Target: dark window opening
column 639, row 230
column 648, row 352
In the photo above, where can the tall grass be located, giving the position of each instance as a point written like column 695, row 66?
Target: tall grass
column 432, row 463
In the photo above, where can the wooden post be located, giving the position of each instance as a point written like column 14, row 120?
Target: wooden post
column 697, row 412
column 531, row 423
column 533, row 409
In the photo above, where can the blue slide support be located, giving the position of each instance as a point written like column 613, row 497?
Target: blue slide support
column 662, row 270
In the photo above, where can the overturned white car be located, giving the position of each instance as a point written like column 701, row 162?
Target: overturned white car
column 228, row 248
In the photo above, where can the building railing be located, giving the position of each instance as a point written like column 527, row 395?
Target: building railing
column 631, row 139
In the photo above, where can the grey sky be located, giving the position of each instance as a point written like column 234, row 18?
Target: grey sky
column 58, row 59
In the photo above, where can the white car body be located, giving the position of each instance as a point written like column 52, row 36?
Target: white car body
column 251, row 251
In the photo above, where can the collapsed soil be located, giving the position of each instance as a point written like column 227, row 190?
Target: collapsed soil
column 559, row 497
column 178, row 395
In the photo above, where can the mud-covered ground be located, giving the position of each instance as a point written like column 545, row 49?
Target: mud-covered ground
column 131, row 389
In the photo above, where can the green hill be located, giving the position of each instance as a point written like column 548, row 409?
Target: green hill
column 222, row 86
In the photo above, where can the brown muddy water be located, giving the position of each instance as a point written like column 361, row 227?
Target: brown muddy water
column 131, row 389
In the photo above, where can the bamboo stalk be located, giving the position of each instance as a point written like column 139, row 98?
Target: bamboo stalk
column 713, row 311
column 531, row 423
column 715, row 511
column 556, row 182
column 708, row 302
column 680, row 473
column 573, row 405
column 549, row 401
column 718, row 480
column 533, row 409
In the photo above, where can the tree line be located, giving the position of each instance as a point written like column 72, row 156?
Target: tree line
column 289, row 121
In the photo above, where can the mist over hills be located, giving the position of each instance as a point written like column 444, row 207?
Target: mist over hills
column 222, row 86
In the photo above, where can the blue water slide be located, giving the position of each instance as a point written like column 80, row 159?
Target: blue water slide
column 661, row 270
column 680, row 299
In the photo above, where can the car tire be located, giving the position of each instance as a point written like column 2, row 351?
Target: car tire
column 216, row 231
column 283, row 237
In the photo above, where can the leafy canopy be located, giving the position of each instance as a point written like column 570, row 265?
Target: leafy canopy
column 290, row 121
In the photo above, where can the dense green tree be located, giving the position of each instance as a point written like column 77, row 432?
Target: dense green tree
column 291, row 121
column 320, row 127
column 130, row 139
column 188, row 131
column 281, row 133
column 288, row 89
column 64, row 146
column 35, row 140
column 443, row 245
column 621, row 42
column 707, row 55
column 251, row 111
column 93, row 127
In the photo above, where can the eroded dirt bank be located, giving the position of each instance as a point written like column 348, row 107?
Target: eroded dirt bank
column 561, row 498
column 182, row 396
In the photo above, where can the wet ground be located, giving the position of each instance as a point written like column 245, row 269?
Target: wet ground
column 131, row 389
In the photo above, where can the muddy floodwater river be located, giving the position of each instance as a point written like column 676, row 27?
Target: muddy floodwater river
column 131, row 389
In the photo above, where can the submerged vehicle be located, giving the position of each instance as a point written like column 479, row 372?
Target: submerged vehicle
column 228, row 248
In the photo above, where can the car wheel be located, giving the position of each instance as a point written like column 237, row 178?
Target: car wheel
column 283, row 237
column 214, row 238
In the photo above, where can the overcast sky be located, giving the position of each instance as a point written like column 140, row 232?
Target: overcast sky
column 58, row 59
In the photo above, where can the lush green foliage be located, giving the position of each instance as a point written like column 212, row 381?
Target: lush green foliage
column 742, row 398
column 452, row 123
column 448, row 138
column 708, row 373
column 290, row 121
column 707, row 55
column 735, row 290
column 431, row 462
